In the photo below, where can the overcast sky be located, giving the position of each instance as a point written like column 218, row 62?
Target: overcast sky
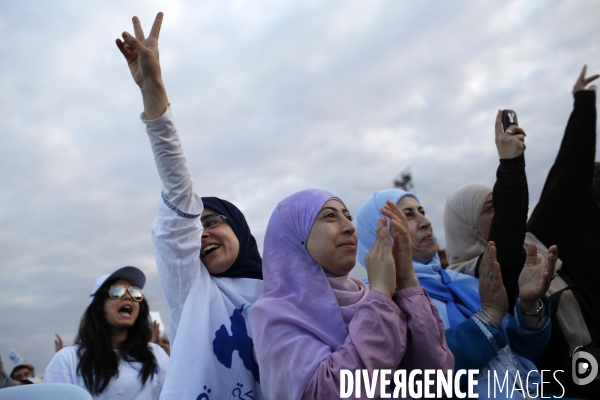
column 270, row 97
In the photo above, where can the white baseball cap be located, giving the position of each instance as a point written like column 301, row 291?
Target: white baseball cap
column 132, row 274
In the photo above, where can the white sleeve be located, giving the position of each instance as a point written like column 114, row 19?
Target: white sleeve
column 170, row 161
column 63, row 367
column 177, row 238
column 177, row 230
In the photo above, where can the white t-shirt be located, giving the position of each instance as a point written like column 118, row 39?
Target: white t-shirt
column 127, row 386
column 211, row 346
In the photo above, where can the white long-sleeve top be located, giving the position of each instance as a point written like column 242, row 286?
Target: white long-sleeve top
column 202, row 309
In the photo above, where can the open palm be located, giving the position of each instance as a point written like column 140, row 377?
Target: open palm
column 493, row 296
column 402, row 248
column 534, row 280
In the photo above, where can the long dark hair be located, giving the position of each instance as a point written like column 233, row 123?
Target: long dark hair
column 98, row 362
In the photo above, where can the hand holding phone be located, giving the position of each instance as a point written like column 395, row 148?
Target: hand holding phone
column 510, row 143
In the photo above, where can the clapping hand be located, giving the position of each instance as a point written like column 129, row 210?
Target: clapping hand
column 494, row 300
column 534, row 280
column 402, row 247
column 380, row 262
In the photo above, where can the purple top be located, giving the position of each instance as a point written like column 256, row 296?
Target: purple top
column 300, row 338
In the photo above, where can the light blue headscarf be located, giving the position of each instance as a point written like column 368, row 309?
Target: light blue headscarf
column 454, row 294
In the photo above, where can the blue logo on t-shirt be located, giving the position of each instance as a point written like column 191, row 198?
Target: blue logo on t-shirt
column 224, row 344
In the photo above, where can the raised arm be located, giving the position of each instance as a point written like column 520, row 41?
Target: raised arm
column 510, row 206
column 568, row 187
column 142, row 58
column 578, row 147
column 177, row 231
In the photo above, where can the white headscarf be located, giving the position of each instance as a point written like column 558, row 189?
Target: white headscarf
column 464, row 243
column 461, row 216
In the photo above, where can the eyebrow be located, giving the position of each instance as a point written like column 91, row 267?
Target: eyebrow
column 334, row 209
column 410, row 208
column 204, row 218
column 487, row 203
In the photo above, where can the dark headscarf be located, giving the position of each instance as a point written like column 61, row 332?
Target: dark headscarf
column 248, row 263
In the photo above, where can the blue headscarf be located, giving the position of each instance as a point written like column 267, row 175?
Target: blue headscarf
column 248, row 263
column 455, row 295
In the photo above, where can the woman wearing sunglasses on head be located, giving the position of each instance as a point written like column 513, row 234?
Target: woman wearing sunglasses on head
column 112, row 356
column 207, row 259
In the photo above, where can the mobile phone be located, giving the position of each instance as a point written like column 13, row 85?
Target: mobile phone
column 509, row 117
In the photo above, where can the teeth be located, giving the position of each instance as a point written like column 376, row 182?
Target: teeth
column 209, row 248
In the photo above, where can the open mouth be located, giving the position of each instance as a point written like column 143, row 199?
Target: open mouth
column 126, row 310
column 209, row 249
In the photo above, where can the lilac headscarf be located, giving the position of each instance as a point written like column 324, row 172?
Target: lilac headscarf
column 297, row 322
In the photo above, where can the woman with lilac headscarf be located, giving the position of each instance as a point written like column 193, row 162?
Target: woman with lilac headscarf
column 313, row 320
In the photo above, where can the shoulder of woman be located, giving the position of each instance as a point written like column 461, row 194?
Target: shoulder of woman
column 68, row 351
column 157, row 351
column 64, row 357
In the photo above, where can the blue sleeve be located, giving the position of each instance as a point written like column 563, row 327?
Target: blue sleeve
column 528, row 341
column 471, row 347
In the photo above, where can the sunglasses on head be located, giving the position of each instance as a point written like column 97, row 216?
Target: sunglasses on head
column 118, row 291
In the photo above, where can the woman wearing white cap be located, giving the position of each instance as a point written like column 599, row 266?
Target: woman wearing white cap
column 112, row 356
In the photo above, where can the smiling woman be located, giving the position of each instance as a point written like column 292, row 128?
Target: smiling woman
column 112, row 356
column 207, row 259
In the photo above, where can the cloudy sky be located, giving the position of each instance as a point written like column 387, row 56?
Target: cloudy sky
column 270, row 97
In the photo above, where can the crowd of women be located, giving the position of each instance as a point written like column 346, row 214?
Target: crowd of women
column 284, row 326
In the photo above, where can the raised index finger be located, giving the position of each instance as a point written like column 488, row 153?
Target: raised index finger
column 156, row 26
column 137, row 28
column 499, row 129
